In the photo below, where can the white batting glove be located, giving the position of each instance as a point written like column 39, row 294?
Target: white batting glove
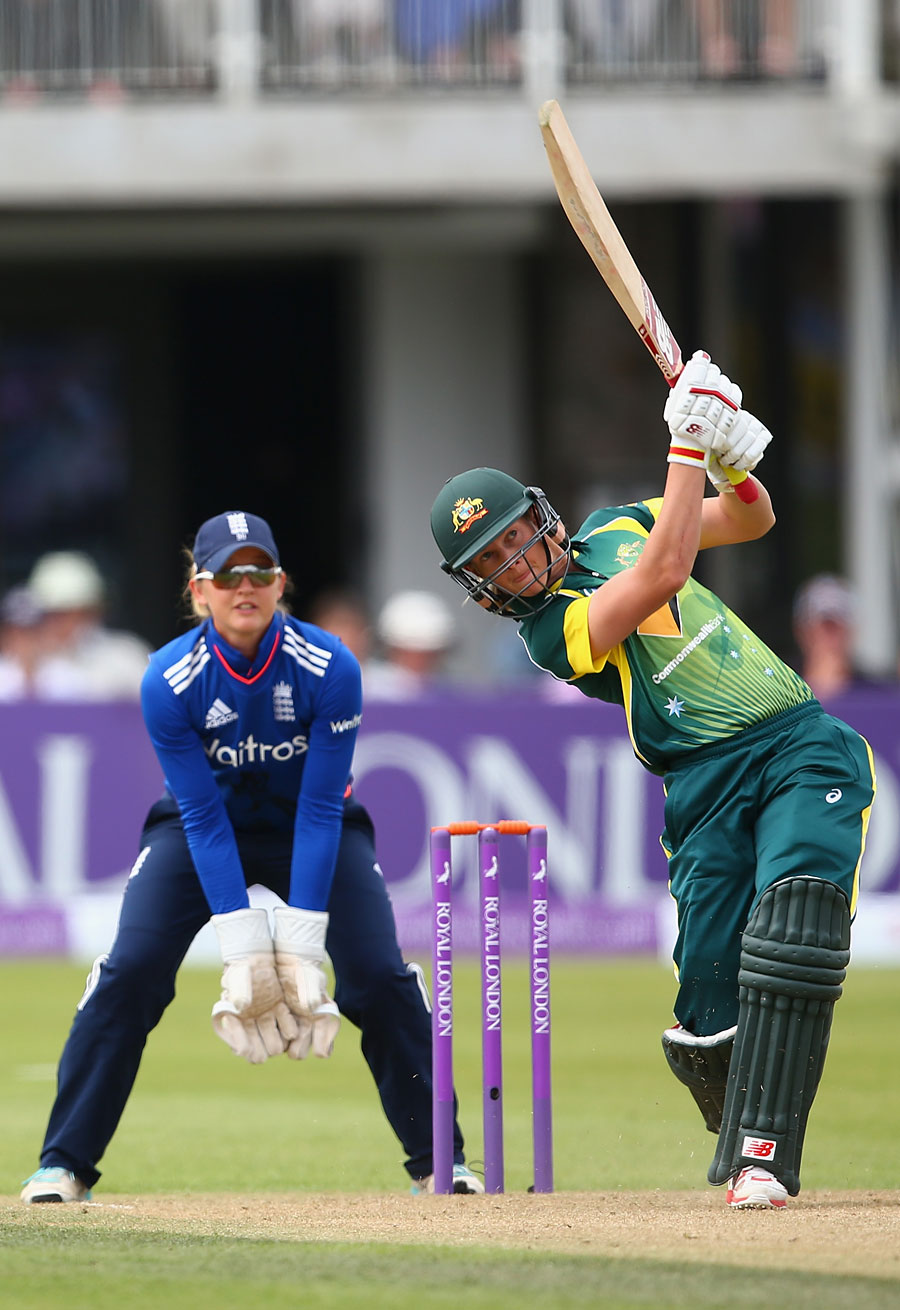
column 746, row 442
column 718, row 477
column 252, row 1016
column 299, row 952
column 700, row 411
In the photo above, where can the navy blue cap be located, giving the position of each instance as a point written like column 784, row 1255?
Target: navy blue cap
column 220, row 537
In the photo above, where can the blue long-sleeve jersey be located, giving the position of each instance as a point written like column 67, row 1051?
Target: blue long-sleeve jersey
column 255, row 747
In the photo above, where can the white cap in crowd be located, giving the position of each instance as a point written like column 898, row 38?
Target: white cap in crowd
column 416, row 620
column 825, row 596
column 66, row 580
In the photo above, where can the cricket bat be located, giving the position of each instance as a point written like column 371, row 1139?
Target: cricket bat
column 593, row 223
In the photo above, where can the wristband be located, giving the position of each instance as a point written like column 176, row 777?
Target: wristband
column 694, row 456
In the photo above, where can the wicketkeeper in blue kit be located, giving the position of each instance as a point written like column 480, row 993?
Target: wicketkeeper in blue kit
column 254, row 717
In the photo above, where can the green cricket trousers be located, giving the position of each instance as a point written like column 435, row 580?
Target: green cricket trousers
column 790, row 797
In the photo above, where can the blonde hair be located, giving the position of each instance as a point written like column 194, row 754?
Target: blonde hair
column 197, row 611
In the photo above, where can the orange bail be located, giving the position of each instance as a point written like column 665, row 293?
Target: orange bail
column 468, row 828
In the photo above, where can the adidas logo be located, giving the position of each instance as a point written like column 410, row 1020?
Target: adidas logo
column 219, row 714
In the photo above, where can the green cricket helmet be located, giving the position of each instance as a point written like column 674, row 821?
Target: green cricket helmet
column 470, row 511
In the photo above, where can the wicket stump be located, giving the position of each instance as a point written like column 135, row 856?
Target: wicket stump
column 491, row 1001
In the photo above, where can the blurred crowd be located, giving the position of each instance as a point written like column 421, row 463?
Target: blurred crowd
column 825, row 624
column 54, row 642
column 405, row 652
column 54, row 45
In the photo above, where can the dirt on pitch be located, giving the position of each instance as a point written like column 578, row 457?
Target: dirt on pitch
column 834, row 1232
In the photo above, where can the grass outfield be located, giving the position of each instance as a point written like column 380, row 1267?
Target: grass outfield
column 104, row 1272
column 200, row 1121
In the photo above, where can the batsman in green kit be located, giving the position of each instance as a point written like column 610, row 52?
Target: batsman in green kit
column 767, row 796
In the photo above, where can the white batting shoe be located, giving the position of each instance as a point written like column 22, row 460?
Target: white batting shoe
column 465, row 1183
column 756, row 1189
column 53, row 1184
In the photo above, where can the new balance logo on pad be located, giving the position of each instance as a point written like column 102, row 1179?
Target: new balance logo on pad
column 760, row 1148
column 218, row 714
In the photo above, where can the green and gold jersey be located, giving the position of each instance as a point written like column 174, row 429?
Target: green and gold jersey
column 691, row 675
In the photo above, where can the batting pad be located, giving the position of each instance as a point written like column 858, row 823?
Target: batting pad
column 794, row 956
column 701, row 1063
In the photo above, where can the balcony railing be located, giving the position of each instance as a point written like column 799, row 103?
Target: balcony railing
column 106, row 48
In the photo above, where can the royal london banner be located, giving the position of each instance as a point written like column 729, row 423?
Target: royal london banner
column 76, row 782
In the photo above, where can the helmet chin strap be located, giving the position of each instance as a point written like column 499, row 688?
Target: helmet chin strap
column 542, row 576
column 550, row 561
column 565, row 553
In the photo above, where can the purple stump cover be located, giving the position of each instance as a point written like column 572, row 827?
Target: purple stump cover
column 442, row 1012
column 491, row 1010
column 540, row 1011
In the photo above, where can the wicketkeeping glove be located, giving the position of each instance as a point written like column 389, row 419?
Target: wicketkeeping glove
column 700, row 411
column 299, row 952
column 252, row 1016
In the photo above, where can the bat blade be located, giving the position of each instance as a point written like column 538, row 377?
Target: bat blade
column 586, row 210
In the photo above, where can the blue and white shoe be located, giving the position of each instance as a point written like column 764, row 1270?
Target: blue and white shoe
column 465, row 1183
column 54, row 1184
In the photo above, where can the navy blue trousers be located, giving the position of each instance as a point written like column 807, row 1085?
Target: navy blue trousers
column 163, row 909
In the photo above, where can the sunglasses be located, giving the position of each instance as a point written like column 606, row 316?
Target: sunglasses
column 229, row 579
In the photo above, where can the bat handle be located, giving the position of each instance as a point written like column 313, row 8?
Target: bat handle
column 744, row 487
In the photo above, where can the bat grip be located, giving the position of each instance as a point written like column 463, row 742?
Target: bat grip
column 744, row 487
